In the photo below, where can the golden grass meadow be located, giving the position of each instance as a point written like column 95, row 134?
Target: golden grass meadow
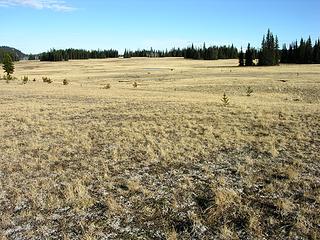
column 100, row 158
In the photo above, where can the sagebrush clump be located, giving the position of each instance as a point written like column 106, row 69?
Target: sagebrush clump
column 46, row 80
column 135, row 84
column 25, row 79
column 65, row 82
column 249, row 91
column 107, row 86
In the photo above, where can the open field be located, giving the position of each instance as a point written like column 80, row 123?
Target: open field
column 164, row 160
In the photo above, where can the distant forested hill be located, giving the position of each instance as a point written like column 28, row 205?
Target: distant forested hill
column 15, row 53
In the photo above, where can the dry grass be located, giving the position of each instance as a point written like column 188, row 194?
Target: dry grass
column 164, row 160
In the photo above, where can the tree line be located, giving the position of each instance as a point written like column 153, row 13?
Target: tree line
column 204, row 53
column 270, row 54
column 303, row 53
column 152, row 53
column 174, row 52
column 73, row 54
column 211, row 53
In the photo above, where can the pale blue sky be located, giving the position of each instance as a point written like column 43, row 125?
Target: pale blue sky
column 34, row 26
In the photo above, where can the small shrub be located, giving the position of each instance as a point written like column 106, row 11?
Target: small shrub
column 25, row 79
column 34, row 80
column 8, row 78
column 225, row 100
column 249, row 91
column 107, row 86
column 135, row 84
column 65, row 82
column 46, row 80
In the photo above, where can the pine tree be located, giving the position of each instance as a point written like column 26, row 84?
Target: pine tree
column 301, row 51
column 308, row 51
column 8, row 65
column 249, row 56
column 276, row 52
column 269, row 53
column 241, row 58
column 296, row 52
column 291, row 55
column 284, row 54
column 316, row 52
column 263, row 53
